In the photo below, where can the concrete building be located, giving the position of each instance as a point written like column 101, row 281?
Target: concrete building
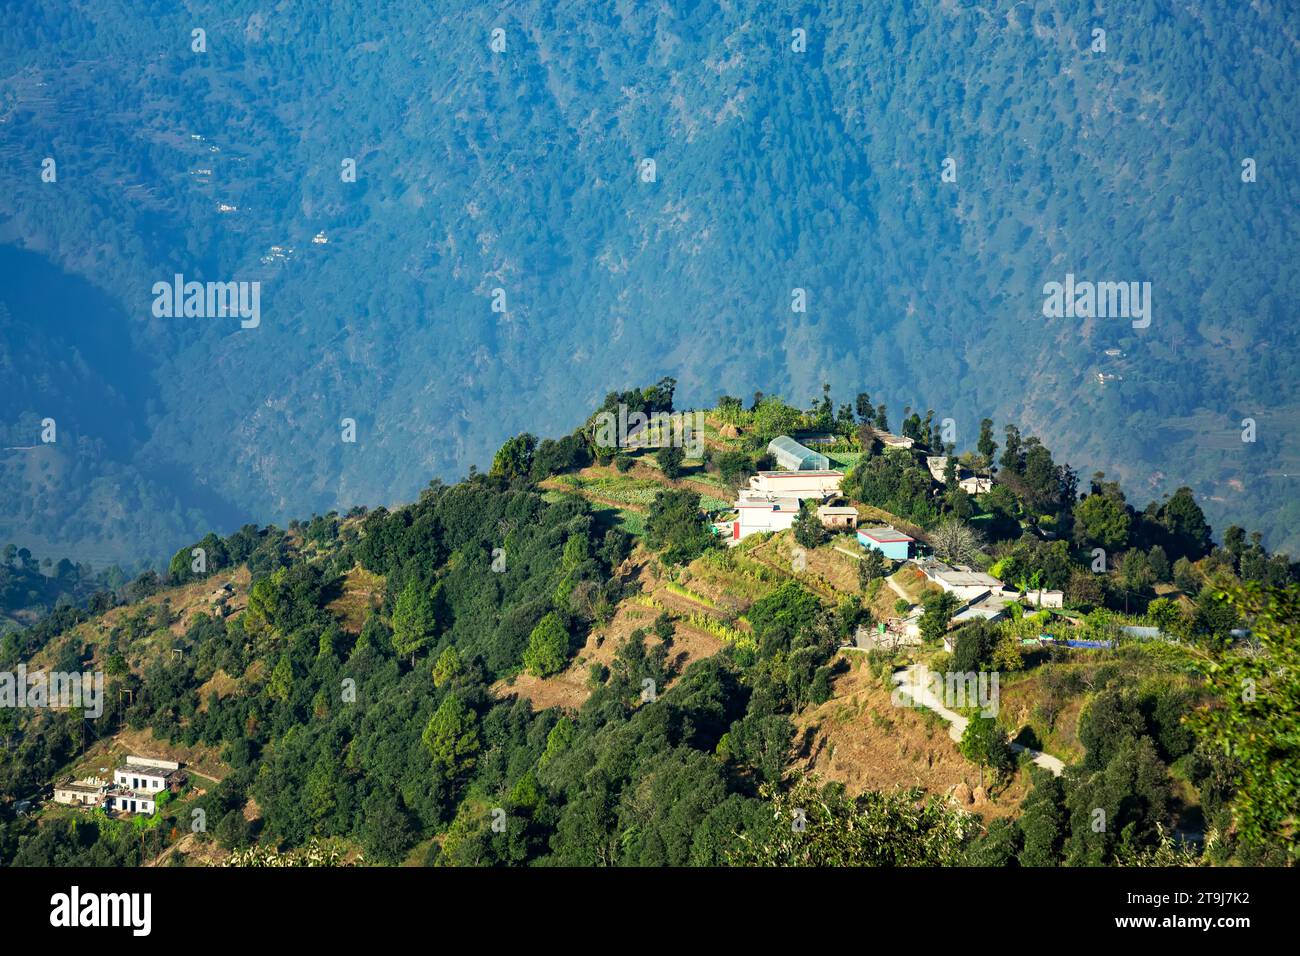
column 838, row 517
column 82, row 793
column 1042, row 598
column 792, row 456
column 967, row 481
column 890, row 440
column 134, row 788
column 888, row 541
column 797, row 484
column 988, row 607
column 756, row 512
column 967, row 583
column 983, row 596
column 131, row 801
column 149, row 775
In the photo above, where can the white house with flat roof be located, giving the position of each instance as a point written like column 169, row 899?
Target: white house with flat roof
column 890, row 440
column 967, row 481
column 797, row 484
column 838, row 517
column 148, row 774
column 89, row 792
column 131, row 801
column 757, row 512
column 967, row 583
column 1043, row 598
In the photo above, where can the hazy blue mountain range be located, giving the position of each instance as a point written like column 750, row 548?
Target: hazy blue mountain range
column 774, row 170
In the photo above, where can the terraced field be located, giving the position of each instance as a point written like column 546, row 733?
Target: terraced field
column 633, row 492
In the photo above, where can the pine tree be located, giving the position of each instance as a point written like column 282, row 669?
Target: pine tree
column 548, row 647
column 446, row 666
column 451, row 737
column 1043, row 821
column 414, row 621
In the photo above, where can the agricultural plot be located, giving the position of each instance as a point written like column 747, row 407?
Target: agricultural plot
column 632, row 491
column 620, row 490
column 729, row 579
column 844, row 460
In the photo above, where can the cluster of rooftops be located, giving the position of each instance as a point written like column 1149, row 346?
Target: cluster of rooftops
column 773, row 499
column 133, row 788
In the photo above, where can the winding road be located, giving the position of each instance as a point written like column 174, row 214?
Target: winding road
column 914, row 682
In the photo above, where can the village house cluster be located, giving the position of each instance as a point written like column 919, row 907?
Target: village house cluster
column 773, row 498
column 967, row 481
column 134, row 787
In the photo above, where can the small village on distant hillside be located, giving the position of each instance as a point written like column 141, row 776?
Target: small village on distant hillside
column 820, row 600
column 774, row 499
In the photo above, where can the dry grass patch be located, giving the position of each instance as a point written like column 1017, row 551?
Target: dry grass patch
column 362, row 592
column 860, row 739
column 221, row 684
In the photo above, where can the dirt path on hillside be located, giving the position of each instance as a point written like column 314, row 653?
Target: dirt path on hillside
column 913, row 682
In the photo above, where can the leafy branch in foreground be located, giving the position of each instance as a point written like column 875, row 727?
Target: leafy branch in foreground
column 1253, row 716
column 814, row 825
column 313, row 853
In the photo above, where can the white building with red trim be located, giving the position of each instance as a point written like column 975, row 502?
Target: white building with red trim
column 757, row 513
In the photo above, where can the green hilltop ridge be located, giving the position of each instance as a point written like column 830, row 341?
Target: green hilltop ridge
column 567, row 660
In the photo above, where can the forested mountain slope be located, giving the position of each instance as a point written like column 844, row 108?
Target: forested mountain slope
column 561, row 660
column 520, row 170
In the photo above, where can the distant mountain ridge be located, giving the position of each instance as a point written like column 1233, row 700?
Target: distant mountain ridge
column 775, row 170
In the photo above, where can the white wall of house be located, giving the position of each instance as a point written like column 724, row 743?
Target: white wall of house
column 758, row 514
column 797, row 484
column 132, row 803
column 140, row 781
column 1042, row 598
column 76, row 797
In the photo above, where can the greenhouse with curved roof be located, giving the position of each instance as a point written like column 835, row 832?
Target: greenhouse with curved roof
column 792, row 456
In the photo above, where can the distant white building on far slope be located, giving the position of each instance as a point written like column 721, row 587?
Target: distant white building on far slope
column 970, row 483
